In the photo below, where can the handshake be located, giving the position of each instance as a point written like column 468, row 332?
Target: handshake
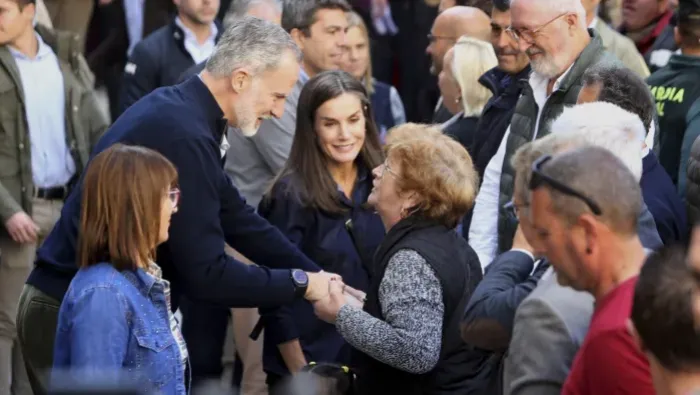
column 328, row 293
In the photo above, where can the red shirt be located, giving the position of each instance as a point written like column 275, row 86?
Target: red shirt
column 609, row 362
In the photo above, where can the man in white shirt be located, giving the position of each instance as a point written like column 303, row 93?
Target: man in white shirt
column 49, row 122
column 554, row 35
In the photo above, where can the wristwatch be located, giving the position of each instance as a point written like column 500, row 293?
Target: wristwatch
column 301, row 282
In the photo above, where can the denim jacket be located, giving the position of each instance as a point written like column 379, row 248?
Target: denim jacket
column 113, row 327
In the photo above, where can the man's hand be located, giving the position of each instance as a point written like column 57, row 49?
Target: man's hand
column 318, row 285
column 355, row 293
column 328, row 307
column 22, row 228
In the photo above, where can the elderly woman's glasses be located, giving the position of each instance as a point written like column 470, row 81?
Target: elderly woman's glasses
column 538, row 179
column 387, row 169
column 174, row 197
column 528, row 35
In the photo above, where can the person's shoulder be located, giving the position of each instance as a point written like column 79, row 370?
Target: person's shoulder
column 162, row 113
column 101, row 276
column 575, row 308
column 287, row 189
column 381, row 86
column 156, row 37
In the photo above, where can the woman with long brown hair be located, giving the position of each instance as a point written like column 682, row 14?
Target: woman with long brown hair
column 319, row 202
column 116, row 315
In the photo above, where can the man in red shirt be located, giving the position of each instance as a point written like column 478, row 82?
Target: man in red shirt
column 586, row 225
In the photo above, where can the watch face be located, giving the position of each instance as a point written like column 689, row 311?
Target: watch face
column 300, row 277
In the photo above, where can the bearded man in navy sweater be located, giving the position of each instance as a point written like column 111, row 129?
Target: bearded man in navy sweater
column 253, row 68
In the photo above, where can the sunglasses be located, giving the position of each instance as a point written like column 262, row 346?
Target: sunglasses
column 538, row 179
column 174, row 196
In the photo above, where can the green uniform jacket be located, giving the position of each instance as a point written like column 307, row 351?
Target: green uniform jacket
column 676, row 87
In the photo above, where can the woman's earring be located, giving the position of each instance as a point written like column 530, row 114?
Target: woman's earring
column 457, row 100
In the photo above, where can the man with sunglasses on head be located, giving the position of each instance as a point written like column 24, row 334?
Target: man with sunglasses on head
column 553, row 317
column 586, row 226
column 554, row 35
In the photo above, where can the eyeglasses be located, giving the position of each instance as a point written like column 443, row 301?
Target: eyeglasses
column 174, row 196
column 512, row 210
column 528, row 35
column 538, row 179
column 387, row 169
column 432, row 39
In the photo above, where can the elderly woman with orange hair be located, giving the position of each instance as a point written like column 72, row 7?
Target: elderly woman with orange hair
column 405, row 330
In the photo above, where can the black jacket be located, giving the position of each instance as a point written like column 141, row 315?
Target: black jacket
column 158, row 60
column 495, row 118
column 185, row 124
column 463, row 130
column 457, row 267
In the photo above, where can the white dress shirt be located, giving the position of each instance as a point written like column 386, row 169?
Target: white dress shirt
column 483, row 232
column 133, row 12
column 45, row 107
column 199, row 52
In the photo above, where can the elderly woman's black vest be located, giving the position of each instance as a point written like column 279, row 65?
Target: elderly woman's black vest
column 458, row 269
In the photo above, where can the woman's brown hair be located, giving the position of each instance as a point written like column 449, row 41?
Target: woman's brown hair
column 122, row 193
column 435, row 167
column 307, row 165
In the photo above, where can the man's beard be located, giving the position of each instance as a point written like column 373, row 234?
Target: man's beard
column 245, row 114
column 545, row 65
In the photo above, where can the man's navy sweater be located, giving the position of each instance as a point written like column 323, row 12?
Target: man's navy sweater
column 184, row 123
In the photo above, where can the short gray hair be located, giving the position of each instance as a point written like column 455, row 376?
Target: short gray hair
column 250, row 42
column 605, row 125
column 239, row 9
column 617, row 193
column 561, row 7
column 301, row 14
column 526, row 155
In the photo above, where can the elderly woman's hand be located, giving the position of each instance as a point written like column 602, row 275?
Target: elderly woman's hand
column 328, row 307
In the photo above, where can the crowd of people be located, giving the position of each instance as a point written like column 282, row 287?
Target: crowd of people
column 350, row 197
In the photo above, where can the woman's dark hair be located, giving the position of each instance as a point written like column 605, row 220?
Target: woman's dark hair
column 307, row 165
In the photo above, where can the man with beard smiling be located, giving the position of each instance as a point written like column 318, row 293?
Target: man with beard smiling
column 504, row 82
column 249, row 75
column 554, row 35
column 318, row 28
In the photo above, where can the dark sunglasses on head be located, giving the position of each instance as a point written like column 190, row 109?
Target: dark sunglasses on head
column 538, row 179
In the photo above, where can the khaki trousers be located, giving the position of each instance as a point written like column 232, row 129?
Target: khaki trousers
column 250, row 351
column 16, row 262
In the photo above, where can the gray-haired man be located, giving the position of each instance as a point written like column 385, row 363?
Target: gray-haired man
column 247, row 79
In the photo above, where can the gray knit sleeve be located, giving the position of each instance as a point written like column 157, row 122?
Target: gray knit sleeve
column 410, row 336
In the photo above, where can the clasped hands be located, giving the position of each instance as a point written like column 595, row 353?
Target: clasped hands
column 328, row 293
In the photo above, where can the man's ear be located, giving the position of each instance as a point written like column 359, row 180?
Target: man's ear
column 591, row 232
column 572, row 20
column 677, row 36
column 298, row 37
column 241, row 80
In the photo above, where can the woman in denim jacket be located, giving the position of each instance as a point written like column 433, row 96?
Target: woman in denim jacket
column 115, row 325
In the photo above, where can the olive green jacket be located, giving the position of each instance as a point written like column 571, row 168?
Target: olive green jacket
column 85, row 122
